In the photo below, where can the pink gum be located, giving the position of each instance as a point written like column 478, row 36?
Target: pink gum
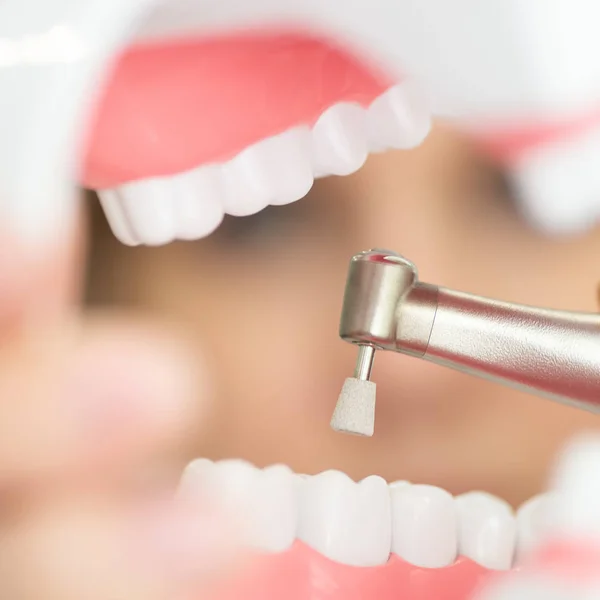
column 304, row 574
column 171, row 107
column 508, row 143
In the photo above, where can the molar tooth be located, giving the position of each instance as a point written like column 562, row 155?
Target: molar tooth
column 148, row 205
column 264, row 499
column 197, row 203
column 346, row 521
column 156, row 211
column 117, row 217
column 486, row 530
column 244, row 195
column 533, row 523
column 424, row 529
column 400, row 118
column 285, row 165
column 340, row 140
column 276, row 170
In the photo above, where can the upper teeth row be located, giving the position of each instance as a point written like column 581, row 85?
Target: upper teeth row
column 277, row 170
column 361, row 523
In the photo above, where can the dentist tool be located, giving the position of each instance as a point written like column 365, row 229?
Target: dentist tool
column 550, row 353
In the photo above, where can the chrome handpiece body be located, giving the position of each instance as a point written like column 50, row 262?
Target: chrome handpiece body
column 551, row 353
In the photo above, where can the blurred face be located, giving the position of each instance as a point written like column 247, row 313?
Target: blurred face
column 262, row 298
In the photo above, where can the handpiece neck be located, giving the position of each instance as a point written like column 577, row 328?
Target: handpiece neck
column 551, row 353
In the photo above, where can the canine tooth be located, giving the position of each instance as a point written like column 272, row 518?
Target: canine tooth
column 197, row 203
column 532, row 524
column 576, row 510
column 117, row 217
column 340, row 140
column 265, row 499
column 400, row 118
column 346, row 521
column 424, row 530
column 486, row 530
column 559, row 185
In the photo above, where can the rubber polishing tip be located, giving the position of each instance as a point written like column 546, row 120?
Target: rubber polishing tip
column 355, row 409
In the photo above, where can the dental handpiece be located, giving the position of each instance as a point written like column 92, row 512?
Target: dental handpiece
column 550, row 353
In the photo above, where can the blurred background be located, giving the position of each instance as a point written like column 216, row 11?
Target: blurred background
column 261, row 300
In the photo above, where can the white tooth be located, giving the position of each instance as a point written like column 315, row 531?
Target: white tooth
column 186, row 206
column 346, row 521
column 265, row 500
column 148, row 205
column 197, row 198
column 559, row 184
column 576, row 510
column 242, row 198
column 277, row 171
column 424, row 529
column 533, row 520
column 340, row 140
column 399, row 118
column 117, row 217
column 277, row 508
column 399, row 485
column 486, row 530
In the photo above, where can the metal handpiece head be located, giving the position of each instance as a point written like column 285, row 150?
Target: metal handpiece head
column 377, row 281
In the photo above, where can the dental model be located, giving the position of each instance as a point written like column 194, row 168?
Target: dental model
column 180, row 111
column 551, row 353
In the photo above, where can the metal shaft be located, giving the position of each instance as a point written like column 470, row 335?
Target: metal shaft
column 364, row 362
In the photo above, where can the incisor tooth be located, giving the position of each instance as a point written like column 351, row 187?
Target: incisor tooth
column 346, row 521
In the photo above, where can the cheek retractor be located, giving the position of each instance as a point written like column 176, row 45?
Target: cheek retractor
column 550, row 353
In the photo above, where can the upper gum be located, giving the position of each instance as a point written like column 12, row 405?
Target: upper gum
column 185, row 101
